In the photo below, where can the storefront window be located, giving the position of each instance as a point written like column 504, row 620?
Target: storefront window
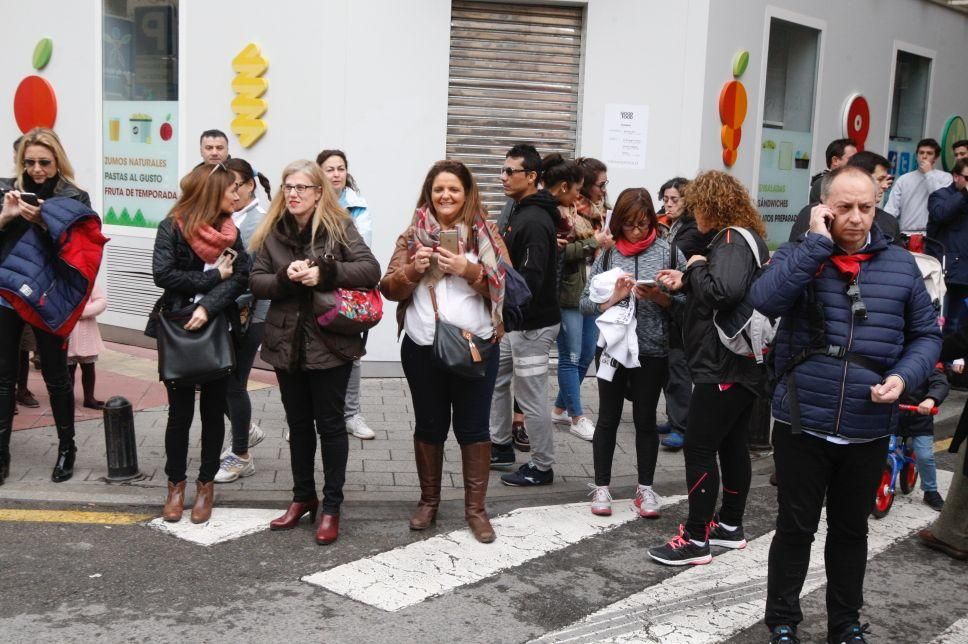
column 908, row 110
column 791, row 78
column 140, row 111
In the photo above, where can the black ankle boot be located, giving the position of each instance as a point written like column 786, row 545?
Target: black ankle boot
column 4, row 467
column 64, row 467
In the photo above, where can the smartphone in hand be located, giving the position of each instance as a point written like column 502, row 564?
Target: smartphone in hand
column 227, row 257
column 645, row 282
column 450, row 241
column 29, row 198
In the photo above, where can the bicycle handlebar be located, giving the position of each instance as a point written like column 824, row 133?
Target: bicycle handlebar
column 914, row 408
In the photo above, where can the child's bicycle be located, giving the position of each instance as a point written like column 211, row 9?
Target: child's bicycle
column 901, row 468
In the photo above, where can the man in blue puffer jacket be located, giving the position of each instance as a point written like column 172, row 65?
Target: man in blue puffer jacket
column 857, row 329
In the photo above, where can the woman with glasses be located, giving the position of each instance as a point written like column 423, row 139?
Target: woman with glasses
column 236, row 462
column 726, row 384
column 42, row 171
column 304, row 247
column 188, row 264
column 624, row 278
column 679, row 227
column 464, row 286
column 578, row 241
column 336, row 169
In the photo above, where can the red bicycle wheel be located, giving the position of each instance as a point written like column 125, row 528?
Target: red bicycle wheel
column 909, row 476
column 885, row 495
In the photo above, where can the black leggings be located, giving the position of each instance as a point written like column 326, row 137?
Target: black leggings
column 181, row 411
column 718, row 424
column 645, row 384
column 53, row 366
column 238, row 406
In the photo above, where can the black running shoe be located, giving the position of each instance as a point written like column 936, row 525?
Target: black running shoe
column 681, row 551
column 934, row 500
column 720, row 536
column 784, row 635
column 502, row 456
column 853, row 635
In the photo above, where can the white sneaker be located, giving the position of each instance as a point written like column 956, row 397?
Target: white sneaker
column 562, row 418
column 256, row 435
column 357, row 426
column 285, row 435
column 647, row 502
column 601, row 500
column 583, row 429
column 234, row 467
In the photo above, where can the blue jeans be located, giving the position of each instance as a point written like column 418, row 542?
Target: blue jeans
column 576, row 350
column 924, row 449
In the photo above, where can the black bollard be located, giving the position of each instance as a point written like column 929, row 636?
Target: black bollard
column 119, row 441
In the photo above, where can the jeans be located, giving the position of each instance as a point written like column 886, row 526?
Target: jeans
column 181, row 411
column 809, row 470
column 924, row 450
column 646, row 384
column 440, row 397
column 352, row 407
column 314, row 401
column 238, row 407
column 524, row 359
column 53, row 366
column 678, row 391
column 718, row 425
column 576, row 350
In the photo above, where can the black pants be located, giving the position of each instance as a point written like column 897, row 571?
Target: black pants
column 238, row 407
column 645, row 384
column 181, row 411
column 809, row 470
column 718, row 425
column 314, row 401
column 439, row 397
column 53, row 366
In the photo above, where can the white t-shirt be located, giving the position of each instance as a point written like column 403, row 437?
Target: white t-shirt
column 458, row 303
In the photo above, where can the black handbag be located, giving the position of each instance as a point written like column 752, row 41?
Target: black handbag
column 457, row 350
column 193, row 357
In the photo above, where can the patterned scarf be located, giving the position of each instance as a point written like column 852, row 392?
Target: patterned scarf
column 208, row 243
column 426, row 232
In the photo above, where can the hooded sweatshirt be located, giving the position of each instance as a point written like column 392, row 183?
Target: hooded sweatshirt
column 530, row 239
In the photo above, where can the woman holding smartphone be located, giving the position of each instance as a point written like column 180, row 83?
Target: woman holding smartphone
column 639, row 254
column 447, row 263
column 42, row 172
column 306, row 245
column 200, row 262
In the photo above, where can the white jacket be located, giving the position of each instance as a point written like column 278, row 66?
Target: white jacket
column 616, row 326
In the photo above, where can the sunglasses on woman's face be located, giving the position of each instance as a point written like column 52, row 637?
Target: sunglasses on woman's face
column 43, row 163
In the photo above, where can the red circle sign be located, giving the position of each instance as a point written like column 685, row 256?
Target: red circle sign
column 857, row 120
column 34, row 104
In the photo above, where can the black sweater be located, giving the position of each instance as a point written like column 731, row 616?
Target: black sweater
column 530, row 239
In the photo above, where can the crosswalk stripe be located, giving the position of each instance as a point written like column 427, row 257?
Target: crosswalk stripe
column 224, row 525
column 71, row 516
column 713, row 602
column 957, row 633
column 410, row 574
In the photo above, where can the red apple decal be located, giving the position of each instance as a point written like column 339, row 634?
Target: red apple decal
column 34, row 104
column 166, row 130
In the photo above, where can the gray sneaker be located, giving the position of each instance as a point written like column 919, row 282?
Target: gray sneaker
column 234, row 467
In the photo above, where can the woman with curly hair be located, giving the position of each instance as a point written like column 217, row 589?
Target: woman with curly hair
column 726, row 384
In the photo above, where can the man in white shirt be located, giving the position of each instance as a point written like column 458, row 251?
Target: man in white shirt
column 909, row 196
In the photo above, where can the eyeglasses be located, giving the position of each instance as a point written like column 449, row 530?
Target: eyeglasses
column 510, row 171
column 298, row 188
column 964, row 176
column 601, row 186
column 670, row 199
column 641, row 225
column 43, row 163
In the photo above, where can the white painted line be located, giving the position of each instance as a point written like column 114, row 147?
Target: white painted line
column 410, row 574
column 226, row 524
column 713, row 602
column 957, row 633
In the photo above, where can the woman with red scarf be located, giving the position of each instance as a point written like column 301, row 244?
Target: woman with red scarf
column 186, row 264
column 639, row 254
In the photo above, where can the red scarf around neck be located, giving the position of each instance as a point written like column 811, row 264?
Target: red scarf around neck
column 849, row 265
column 630, row 249
column 208, row 243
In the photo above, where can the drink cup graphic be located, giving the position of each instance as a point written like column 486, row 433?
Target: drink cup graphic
column 114, row 129
column 140, row 128
column 786, row 155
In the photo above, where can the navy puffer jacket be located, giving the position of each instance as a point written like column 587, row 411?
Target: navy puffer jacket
column 901, row 332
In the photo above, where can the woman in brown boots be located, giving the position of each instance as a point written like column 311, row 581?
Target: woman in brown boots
column 186, row 264
column 448, row 263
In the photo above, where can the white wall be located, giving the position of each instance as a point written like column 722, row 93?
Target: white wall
column 857, row 55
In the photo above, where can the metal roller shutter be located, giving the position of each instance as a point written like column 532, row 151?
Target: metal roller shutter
column 514, row 76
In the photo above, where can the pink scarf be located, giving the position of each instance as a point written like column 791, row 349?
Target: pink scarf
column 208, row 243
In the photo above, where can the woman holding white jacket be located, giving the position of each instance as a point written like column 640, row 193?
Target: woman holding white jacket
column 639, row 254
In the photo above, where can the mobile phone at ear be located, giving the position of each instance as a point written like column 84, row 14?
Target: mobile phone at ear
column 450, row 241
column 30, row 198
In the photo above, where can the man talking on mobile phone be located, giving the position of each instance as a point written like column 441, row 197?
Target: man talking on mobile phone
column 857, row 329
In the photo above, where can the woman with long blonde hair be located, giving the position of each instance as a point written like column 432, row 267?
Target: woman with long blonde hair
column 307, row 244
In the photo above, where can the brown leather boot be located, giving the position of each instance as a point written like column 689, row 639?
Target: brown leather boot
column 430, row 462
column 476, row 459
column 204, row 496
column 175, row 503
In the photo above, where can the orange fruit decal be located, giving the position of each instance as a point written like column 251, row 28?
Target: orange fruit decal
column 34, row 104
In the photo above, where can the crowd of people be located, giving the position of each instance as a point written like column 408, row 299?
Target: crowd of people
column 642, row 293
